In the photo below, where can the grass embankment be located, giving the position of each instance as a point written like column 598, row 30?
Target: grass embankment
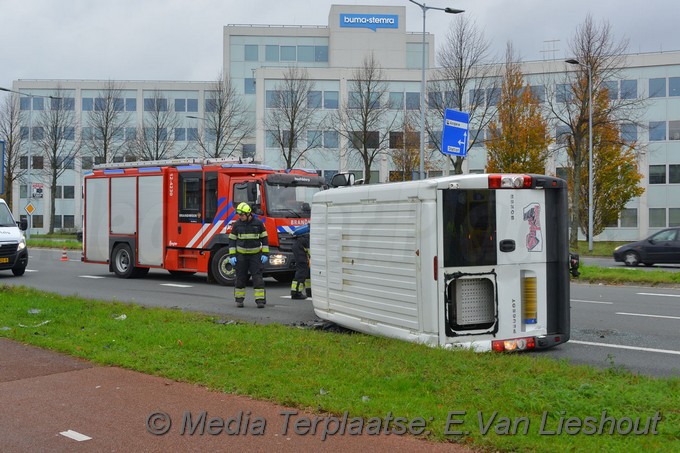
column 367, row 376
column 55, row 240
column 626, row 275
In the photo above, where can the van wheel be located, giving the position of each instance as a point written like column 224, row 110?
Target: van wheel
column 19, row 271
column 123, row 261
column 223, row 272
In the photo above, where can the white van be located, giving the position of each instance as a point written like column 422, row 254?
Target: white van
column 476, row 261
column 13, row 250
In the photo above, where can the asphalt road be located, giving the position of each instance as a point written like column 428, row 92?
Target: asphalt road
column 622, row 327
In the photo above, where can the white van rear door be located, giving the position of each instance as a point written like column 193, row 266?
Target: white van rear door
column 520, row 217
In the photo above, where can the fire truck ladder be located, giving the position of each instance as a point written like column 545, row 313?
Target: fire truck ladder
column 173, row 162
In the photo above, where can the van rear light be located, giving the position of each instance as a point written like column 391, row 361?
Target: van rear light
column 509, row 181
column 516, row 344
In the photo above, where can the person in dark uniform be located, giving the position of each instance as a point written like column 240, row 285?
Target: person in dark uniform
column 248, row 252
column 301, row 287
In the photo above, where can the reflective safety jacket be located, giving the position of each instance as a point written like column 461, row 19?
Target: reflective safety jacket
column 248, row 237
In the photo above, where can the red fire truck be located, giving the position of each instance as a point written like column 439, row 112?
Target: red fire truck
column 176, row 214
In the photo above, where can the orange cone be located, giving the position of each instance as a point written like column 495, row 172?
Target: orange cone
column 63, row 255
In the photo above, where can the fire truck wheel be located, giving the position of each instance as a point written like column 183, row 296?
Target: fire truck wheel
column 123, row 261
column 222, row 271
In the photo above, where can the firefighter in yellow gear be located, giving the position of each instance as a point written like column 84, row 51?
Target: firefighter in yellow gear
column 248, row 253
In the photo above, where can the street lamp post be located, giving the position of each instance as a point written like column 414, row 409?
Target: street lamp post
column 424, row 7
column 590, row 149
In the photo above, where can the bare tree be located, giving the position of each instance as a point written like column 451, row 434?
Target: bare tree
column 464, row 74
column 10, row 133
column 598, row 52
column 55, row 138
column 365, row 118
column 155, row 138
column 224, row 120
column 293, row 116
column 107, row 121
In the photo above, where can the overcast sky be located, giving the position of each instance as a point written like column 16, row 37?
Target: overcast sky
column 182, row 39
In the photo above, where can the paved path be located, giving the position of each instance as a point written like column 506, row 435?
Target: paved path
column 49, row 400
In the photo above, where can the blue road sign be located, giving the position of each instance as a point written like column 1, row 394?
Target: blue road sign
column 455, row 133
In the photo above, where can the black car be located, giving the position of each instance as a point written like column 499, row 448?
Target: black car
column 661, row 247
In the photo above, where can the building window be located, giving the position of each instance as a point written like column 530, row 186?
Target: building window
column 330, row 139
column 56, row 221
column 330, row 99
column 353, row 100
column 37, row 221
column 396, row 100
column 130, row 104
column 69, row 192
column 612, row 87
column 210, row 105
column 657, row 174
column 38, row 162
column 86, row 162
column 180, row 105
column 249, row 86
column 538, row 93
column 118, row 104
column 673, row 217
column 288, row 53
column 674, row 86
column 674, row 174
column 155, row 105
column 69, row 221
column 250, row 52
column 130, row 134
column 657, row 131
column 23, row 191
column 180, row 134
column 562, row 133
column 563, row 93
column 628, row 89
column 65, row 163
column 657, row 217
column 314, row 139
column 57, row 192
column 305, row 53
column 314, row 99
column 628, row 132
column 434, row 100
column 396, row 140
column 321, row 54
column 192, row 134
column 248, row 150
column 271, row 53
column 87, row 104
column 629, row 218
column 271, row 99
column 412, row 101
column 192, row 105
column 674, row 130
column 657, row 88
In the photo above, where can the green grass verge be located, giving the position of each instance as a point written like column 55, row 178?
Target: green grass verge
column 596, row 274
column 367, row 376
column 52, row 244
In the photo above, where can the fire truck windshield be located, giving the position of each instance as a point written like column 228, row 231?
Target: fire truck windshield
column 289, row 201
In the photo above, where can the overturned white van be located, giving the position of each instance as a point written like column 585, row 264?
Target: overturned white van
column 477, row 261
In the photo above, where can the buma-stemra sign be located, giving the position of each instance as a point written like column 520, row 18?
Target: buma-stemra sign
column 372, row 21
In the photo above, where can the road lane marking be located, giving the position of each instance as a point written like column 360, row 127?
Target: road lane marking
column 658, row 294
column 91, row 276
column 31, row 270
column 176, row 285
column 648, row 316
column 75, row 435
column 591, row 302
column 620, row 346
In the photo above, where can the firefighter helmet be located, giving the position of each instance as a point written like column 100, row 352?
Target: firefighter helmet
column 243, row 208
